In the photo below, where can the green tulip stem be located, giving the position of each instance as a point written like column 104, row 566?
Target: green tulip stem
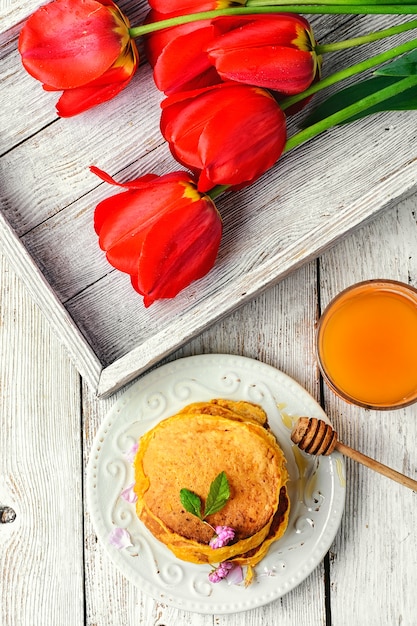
column 217, row 191
column 256, row 3
column 336, row 118
column 344, row 114
column 350, row 9
column 364, row 39
column 350, row 71
column 353, row 7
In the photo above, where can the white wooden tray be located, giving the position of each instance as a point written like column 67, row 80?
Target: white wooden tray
column 315, row 195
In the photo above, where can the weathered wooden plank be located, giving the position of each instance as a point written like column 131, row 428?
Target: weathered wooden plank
column 375, row 555
column 316, row 194
column 65, row 328
column 12, row 14
column 54, row 163
column 243, row 282
column 41, row 552
column 277, row 328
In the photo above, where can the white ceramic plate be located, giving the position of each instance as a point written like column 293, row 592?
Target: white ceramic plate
column 316, row 487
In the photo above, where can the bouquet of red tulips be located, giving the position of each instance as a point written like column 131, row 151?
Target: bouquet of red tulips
column 230, row 79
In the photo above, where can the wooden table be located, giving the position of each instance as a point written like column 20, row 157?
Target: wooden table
column 53, row 571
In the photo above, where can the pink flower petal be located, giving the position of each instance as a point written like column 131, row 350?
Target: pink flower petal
column 224, row 535
column 130, row 455
column 128, row 494
column 235, row 575
column 120, row 538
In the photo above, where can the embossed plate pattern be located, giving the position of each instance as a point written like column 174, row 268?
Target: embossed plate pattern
column 316, row 487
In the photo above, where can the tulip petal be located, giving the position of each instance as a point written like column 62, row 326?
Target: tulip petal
column 132, row 211
column 164, row 233
column 142, row 181
column 123, row 221
column 229, row 145
column 75, row 101
column 127, row 214
column 156, row 42
column 247, row 31
column 286, row 70
column 271, row 51
column 225, row 157
column 179, row 249
column 184, row 64
column 190, row 6
column 183, row 117
column 66, row 44
column 125, row 255
column 138, row 183
column 104, row 88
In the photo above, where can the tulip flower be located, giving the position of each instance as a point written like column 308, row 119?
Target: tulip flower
column 178, row 55
column 227, row 134
column 200, row 54
column 80, row 47
column 271, row 51
column 192, row 6
column 160, row 230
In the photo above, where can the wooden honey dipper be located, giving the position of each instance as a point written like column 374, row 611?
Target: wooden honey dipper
column 315, row 436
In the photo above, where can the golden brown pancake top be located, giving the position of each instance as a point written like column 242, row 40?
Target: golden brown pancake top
column 189, row 451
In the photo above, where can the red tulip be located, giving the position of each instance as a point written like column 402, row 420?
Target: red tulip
column 192, row 6
column 160, row 230
column 178, row 55
column 80, row 47
column 271, row 51
column 228, row 134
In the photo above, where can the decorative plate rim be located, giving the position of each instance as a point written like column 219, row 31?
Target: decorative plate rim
column 316, row 487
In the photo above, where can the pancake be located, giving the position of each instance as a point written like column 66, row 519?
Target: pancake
column 276, row 530
column 234, row 409
column 191, row 448
column 196, row 552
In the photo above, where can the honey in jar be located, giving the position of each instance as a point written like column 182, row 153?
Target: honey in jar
column 367, row 344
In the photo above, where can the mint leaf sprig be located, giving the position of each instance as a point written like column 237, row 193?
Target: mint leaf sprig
column 218, row 495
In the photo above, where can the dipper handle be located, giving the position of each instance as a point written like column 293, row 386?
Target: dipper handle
column 316, row 437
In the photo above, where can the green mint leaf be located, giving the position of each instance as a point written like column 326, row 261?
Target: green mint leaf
column 218, row 495
column 191, row 502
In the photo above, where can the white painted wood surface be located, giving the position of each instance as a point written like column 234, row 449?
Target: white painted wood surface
column 315, row 195
column 52, row 570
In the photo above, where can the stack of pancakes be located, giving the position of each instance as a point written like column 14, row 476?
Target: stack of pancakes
column 188, row 450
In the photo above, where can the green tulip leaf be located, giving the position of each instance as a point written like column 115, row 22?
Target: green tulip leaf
column 404, row 101
column 404, row 66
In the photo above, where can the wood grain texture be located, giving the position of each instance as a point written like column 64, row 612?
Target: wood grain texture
column 63, row 325
column 276, row 328
column 373, row 558
column 368, row 582
column 376, row 546
column 52, row 570
column 41, row 552
column 315, row 195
